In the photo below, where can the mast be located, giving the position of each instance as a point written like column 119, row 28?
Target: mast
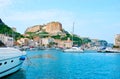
column 72, row 33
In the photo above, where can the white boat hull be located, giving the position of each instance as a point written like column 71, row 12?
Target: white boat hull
column 10, row 63
column 73, row 49
column 10, row 67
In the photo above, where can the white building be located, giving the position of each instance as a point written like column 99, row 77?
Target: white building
column 117, row 40
column 46, row 41
column 32, row 43
column 8, row 41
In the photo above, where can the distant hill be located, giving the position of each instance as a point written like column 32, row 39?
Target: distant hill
column 54, row 30
column 4, row 29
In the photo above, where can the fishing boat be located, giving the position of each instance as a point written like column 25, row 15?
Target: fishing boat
column 11, row 60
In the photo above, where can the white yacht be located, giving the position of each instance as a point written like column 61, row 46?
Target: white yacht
column 74, row 49
column 11, row 60
column 111, row 50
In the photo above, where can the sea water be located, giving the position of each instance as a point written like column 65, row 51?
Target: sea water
column 55, row 64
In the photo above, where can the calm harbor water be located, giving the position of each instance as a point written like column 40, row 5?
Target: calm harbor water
column 54, row 64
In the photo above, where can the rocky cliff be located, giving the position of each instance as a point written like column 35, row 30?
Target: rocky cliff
column 35, row 28
column 52, row 28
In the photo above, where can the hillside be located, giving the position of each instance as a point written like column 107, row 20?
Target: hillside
column 4, row 29
column 1, row 22
column 54, row 30
column 51, row 28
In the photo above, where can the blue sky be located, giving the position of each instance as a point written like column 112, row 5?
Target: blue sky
column 99, row 19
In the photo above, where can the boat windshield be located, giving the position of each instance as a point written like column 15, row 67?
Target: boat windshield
column 2, row 44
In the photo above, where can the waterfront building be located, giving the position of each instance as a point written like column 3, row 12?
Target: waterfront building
column 23, row 41
column 37, row 40
column 32, row 43
column 68, row 43
column 63, row 43
column 117, row 40
column 46, row 41
column 8, row 41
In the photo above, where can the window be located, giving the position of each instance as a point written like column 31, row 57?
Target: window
column 5, row 63
column 0, row 64
column 11, row 60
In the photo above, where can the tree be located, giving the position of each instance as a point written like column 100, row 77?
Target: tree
column 4, row 29
column 56, row 37
column 85, row 40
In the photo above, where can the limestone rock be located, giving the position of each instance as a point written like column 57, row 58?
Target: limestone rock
column 53, row 27
column 34, row 28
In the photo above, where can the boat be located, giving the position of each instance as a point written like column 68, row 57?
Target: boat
column 109, row 50
column 11, row 60
column 101, row 49
column 73, row 49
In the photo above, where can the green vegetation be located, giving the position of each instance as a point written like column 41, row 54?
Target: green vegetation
column 77, row 41
column 85, row 40
column 41, row 34
column 66, row 37
column 56, row 37
column 31, row 35
column 4, row 29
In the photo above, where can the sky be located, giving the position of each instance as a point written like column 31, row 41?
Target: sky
column 96, row 19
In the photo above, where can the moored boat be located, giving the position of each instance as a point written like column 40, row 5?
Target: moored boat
column 74, row 49
column 11, row 60
column 109, row 50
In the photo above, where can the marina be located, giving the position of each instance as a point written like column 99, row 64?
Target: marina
column 51, row 39
column 55, row 64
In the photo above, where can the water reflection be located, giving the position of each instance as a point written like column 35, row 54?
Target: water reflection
column 42, row 56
